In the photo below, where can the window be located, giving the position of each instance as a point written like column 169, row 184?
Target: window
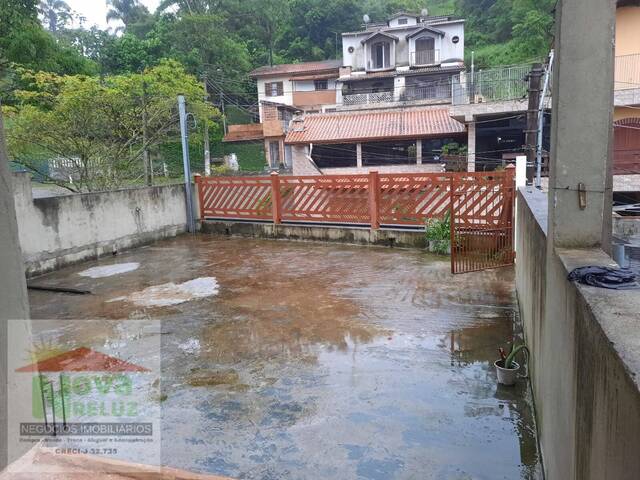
column 425, row 51
column 273, row 89
column 335, row 155
column 381, row 55
column 402, row 21
column 320, row 84
column 389, row 153
column 274, row 154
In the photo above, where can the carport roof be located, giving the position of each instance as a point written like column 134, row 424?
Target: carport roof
column 373, row 126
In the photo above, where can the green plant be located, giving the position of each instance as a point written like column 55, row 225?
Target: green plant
column 438, row 228
column 508, row 359
column 454, row 148
column 222, row 170
column 438, row 233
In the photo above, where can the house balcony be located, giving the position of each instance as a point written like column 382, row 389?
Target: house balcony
column 423, row 58
column 367, row 98
column 435, row 93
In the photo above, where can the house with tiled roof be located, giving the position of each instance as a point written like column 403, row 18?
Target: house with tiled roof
column 386, row 140
column 383, row 106
column 392, row 105
column 284, row 90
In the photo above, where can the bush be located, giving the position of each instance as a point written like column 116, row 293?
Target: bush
column 438, row 233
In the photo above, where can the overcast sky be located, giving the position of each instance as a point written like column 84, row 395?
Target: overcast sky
column 96, row 10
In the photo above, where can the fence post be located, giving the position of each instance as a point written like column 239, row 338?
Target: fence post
column 197, row 179
column 276, row 202
column 374, row 200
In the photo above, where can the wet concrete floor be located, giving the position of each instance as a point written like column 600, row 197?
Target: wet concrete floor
column 309, row 360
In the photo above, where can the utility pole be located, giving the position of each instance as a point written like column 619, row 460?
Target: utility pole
column 532, row 119
column 547, row 77
column 207, row 151
column 224, row 119
column 148, row 168
column 182, row 109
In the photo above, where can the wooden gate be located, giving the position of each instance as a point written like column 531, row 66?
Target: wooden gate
column 482, row 208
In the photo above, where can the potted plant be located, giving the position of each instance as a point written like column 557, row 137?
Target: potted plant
column 506, row 366
column 438, row 235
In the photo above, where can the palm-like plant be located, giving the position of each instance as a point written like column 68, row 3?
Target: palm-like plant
column 56, row 13
column 126, row 11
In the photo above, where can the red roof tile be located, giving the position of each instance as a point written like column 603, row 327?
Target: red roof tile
column 293, row 68
column 380, row 125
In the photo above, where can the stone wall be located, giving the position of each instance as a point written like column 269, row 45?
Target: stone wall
column 585, row 356
column 56, row 231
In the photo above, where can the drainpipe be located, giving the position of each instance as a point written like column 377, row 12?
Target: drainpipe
column 547, row 76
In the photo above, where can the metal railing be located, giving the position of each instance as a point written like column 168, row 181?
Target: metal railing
column 492, row 85
column 627, row 72
column 435, row 91
column 424, row 57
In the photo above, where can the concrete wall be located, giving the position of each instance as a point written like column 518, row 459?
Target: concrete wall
column 362, row 236
column 585, row 357
column 56, row 231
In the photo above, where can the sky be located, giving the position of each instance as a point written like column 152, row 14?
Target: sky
column 96, row 10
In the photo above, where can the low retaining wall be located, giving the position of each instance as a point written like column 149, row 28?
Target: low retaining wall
column 57, row 231
column 363, row 236
column 585, row 345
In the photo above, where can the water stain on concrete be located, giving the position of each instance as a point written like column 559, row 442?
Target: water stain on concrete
column 109, row 270
column 172, row 294
column 320, row 361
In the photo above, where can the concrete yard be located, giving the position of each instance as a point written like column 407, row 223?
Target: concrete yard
column 296, row 360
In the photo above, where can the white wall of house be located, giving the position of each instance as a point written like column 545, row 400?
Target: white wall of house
column 355, row 54
column 403, row 21
column 287, row 91
column 310, row 86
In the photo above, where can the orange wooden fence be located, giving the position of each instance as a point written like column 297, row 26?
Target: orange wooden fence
column 372, row 199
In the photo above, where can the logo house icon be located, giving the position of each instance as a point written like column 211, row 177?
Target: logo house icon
column 81, row 374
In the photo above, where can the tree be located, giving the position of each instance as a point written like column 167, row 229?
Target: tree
column 129, row 12
column 56, row 14
column 94, row 127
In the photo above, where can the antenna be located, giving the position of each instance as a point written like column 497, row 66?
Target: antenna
column 365, row 18
column 424, row 12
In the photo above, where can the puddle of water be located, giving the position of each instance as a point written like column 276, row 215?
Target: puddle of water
column 323, row 361
column 109, row 270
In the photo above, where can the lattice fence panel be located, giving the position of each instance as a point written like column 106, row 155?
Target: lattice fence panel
column 327, row 198
column 236, row 197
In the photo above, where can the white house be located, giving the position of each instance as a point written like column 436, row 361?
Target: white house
column 309, row 86
column 408, row 58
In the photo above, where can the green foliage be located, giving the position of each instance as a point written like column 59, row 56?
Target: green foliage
column 96, row 126
column 454, row 148
column 505, row 32
column 438, row 232
column 438, row 228
column 508, row 362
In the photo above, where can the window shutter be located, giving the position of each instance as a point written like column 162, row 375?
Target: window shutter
column 280, row 89
column 267, row 89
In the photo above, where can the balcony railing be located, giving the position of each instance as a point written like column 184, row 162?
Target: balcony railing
column 436, row 91
column 627, row 72
column 425, row 57
column 417, row 93
column 494, row 85
column 365, row 98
